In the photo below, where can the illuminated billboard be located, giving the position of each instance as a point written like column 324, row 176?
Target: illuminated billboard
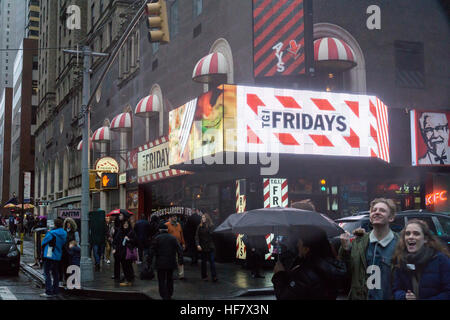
column 247, row 119
column 430, row 138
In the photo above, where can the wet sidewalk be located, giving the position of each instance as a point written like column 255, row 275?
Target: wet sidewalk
column 234, row 281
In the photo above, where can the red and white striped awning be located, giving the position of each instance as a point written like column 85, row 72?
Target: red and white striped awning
column 147, row 105
column 80, row 145
column 333, row 53
column 213, row 66
column 121, row 122
column 101, row 135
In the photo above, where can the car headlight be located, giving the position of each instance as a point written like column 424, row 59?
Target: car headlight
column 12, row 252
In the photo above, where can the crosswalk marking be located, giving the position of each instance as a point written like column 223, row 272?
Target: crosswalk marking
column 6, row 294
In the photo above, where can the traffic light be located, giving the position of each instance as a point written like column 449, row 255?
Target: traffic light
column 92, row 180
column 109, row 181
column 323, row 186
column 158, row 22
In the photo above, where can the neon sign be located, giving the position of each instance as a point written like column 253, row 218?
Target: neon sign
column 433, row 198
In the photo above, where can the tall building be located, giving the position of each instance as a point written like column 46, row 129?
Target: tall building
column 12, row 27
column 23, row 121
column 212, row 43
column 5, row 143
column 32, row 21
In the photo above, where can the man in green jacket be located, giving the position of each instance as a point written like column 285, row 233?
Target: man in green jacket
column 368, row 257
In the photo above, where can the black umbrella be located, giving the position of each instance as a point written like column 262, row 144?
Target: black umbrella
column 280, row 221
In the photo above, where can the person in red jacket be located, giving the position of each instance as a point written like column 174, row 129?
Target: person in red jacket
column 174, row 228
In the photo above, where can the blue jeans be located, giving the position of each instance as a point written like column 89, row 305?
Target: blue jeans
column 98, row 252
column 208, row 256
column 51, row 269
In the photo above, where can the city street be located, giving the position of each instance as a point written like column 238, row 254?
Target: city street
column 203, row 150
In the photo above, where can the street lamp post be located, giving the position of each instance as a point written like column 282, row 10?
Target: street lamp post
column 86, row 262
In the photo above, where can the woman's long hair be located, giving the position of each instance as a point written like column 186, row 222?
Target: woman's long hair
column 400, row 252
column 209, row 222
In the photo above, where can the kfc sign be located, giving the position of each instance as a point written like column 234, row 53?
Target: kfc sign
column 430, row 138
column 434, row 198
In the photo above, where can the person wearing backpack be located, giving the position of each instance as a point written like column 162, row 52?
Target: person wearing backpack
column 52, row 246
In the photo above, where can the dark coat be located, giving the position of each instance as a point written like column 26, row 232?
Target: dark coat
column 316, row 279
column 190, row 227
column 165, row 248
column 75, row 255
column 142, row 229
column 434, row 281
column 204, row 238
column 121, row 250
column 256, row 242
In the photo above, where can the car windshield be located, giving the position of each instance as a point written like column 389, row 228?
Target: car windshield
column 5, row 237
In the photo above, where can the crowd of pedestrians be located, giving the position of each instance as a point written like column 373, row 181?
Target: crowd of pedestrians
column 376, row 265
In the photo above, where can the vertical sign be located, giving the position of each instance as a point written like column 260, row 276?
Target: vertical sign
column 26, row 187
column 275, row 195
column 279, row 37
column 240, row 207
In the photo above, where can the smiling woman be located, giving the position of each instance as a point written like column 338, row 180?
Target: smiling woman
column 422, row 264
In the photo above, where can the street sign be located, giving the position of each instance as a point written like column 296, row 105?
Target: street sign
column 109, row 181
column 26, row 186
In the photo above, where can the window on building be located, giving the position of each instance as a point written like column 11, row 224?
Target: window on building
column 197, row 7
column 92, row 15
column 409, row 64
column 174, row 19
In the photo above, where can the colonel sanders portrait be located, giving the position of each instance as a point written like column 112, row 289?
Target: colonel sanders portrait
column 435, row 134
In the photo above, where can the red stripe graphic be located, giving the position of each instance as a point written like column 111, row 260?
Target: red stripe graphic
column 353, row 139
column 373, row 110
column 288, row 102
column 373, row 134
column 270, row 44
column 323, row 104
column 214, row 64
column 199, row 67
column 287, row 139
column 316, row 49
column 276, row 23
column 252, row 137
column 266, row 17
column 266, row 183
column 321, row 140
column 254, row 102
column 372, row 153
column 332, row 50
column 354, row 106
column 348, row 51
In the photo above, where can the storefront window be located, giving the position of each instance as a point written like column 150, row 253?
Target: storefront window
column 405, row 193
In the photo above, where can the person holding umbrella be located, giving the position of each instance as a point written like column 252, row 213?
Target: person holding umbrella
column 315, row 272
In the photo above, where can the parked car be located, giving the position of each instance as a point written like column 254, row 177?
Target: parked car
column 9, row 253
column 438, row 222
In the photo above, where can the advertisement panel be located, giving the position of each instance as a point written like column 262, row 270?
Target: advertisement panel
column 106, row 164
column 153, row 160
column 310, row 122
column 196, row 128
column 278, row 37
column 430, row 138
column 284, row 121
column 26, row 186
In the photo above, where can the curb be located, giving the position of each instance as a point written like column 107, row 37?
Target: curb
column 127, row 295
column 86, row 292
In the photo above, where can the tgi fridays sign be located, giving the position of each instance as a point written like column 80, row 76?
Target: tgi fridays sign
column 153, row 161
column 310, row 122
